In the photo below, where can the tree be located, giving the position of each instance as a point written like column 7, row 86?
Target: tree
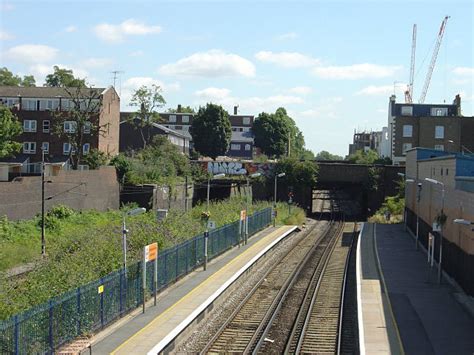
column 325, row 155
column 211, row 131
column 148, row 100
column 271, row 134
column 363, row 157
column 9, row 129
column 64, row 78
column 8, row 79
column 298, row 172
column 95, row 159
column 183, row 109
column 79, row 122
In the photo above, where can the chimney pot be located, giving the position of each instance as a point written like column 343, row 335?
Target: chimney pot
column 235, row 109
column 179, row 107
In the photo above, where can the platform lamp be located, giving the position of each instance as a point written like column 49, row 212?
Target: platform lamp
column 125, row 231
column 275, row 197
column 464, row 222
column 405, row 210
column 436, row 182
column 246, row 234
column 206, row 233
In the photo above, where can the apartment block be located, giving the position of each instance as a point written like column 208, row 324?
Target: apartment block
column 36, row 109
column 434, row 126
column 375, row 140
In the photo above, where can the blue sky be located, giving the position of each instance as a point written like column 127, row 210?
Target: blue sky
column 331, row 64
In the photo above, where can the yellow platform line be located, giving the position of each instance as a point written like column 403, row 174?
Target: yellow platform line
column 209, row 280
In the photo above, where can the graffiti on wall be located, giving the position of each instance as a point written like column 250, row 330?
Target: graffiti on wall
column 237, row 168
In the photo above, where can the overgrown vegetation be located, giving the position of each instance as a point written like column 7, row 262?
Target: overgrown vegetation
column 84, row 246
column 393, row 207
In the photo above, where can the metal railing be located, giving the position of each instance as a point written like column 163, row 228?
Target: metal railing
column 45, row 327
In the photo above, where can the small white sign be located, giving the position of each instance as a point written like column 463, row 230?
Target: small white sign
column 211, row 224
column 436, row 227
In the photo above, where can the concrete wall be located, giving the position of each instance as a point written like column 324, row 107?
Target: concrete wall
column 109, row 120
column 81, row 190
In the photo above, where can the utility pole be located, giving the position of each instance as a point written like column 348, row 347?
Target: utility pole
column 43, row 242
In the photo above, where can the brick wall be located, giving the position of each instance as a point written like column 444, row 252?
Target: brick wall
column 93, row 189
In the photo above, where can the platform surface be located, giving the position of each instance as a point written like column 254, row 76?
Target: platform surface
column 149, row 332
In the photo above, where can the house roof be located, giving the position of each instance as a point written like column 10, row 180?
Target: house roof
column 125, row 115
column 46, row 92
column 18, row 159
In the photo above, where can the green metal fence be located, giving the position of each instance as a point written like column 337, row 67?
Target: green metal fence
column 46, row 327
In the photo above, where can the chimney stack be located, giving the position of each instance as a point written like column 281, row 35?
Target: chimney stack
column 235, row 109
column 179, row 108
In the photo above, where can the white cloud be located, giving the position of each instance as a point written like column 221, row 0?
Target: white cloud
column 136, row 54
column 383, row 90
column 70, row 28
column 287, row 36
column 5, row 36
column 326, row 108
column 4, row 6
column 355, row 71
column 130, row 27
column 96, row 62
column 464, row 71
column 301, row 90
column 32, row 53
column 213, row 63
column 251, row 104
column 287, row 59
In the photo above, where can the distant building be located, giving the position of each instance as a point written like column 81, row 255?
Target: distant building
column 241, row 144
column 34, row 107
column 377, row 140
column 434, row 126
column 130, row 138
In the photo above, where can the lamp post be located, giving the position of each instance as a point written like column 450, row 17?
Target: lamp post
column 133, row 212
column 418, row 198
column 275, row 197
column 206, row 233
column 404, row 209
column 246, row 232
column 436, row 182
column 43, row 240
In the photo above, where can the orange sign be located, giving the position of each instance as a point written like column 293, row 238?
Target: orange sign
column 243, row 215
column 151, row 252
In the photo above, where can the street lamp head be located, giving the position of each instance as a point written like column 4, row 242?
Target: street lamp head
column 401, row 174
column 433, row 181
column 254, row 175
column 409, row 180
column 218, row 176
column 462, row 221
column 136, row 211
column 281, row 175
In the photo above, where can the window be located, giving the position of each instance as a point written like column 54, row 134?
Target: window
column 234, row 129
column 439, row 111
column 235, row 147
column 49, row 105
column 407, row 130
column 67, row 148
column 447, row 171
column 246, row 120
column 85, row 148
column 45, row 147
column 247, row 147
column 70, row 126
column 441, row 171
column 29, row 147
column 82, row 167
column 46, row 126
column 9, row 102
column 406, row 146
column 28, row 105
column 172, row 118
column 87, row 127
column 179, row 128
column 185, row 119
column 439, row 132
column 407, row 111
column 29, row 126
column 439, row 147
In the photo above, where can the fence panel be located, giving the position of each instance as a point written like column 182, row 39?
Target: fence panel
column 83, row 310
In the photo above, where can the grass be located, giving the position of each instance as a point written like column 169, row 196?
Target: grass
column 84, row 246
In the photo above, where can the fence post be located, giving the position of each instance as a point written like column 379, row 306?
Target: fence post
column 50, row 335
column 177, row 262
column 102, row 305
column 187, row 257
column 121, row 292
column 78, row 293
column 206, row 240
column 17, row 335
column 195, row 252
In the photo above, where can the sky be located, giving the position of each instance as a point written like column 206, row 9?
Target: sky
column 332, row 64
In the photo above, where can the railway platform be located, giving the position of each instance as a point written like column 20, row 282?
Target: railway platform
column 402, row 307
column 184, row 302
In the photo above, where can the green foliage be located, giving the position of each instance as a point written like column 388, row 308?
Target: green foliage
column 296, row 216
column 211, row 131
column 261, row 158
column 9, row 129
column 306, row 154
column 95, row 158
column 64, row 78
column 325, row 155
column 122, row 164
column 298, row 172
column 363, row 157
column 271, row 134
column 184, row 109
column 394, row 205
column 148, row 101
column 8, row 79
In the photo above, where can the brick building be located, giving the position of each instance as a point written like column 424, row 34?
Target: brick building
column 36, row 107
column 434, row 126
column 241, row 143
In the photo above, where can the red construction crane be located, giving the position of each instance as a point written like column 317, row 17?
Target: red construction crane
column 409, row 90
column 433, row 60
